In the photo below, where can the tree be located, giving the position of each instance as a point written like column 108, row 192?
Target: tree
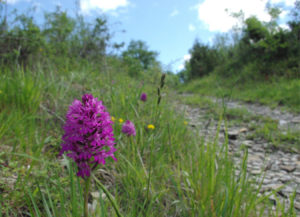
column 254, row 30
column 21, row 41
column 203, row 60
column 58, row 30
column 139, row 52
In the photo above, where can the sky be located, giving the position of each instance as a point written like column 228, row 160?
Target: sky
column 168, row 27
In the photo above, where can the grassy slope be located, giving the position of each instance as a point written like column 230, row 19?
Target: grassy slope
column 187, row 178
column 280, row 92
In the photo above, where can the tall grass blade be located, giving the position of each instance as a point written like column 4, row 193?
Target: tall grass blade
column 109, row 196
column 37, row 212
column 45, row 203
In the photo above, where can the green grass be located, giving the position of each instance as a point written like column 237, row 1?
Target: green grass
column 168, row 171
column 215, row 109
column 277, row 92
column 269, row 130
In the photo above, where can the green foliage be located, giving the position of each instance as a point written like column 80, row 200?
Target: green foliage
column 139, row 59
column 22, row 42
column 166, row 171
column 254, row 30
column 138, row 50
column 22, row 91
column 91, row 43
column 134, row 66
column 58, row 29
column 61, row 39
column 203, row 60
column 260, row 51
column 172, row 80
column 268, row 129
column 274, row 92
column 294, row 38
column 295, row 12
column 188, row 178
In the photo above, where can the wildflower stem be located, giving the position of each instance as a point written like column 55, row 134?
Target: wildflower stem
column 109, row 196
column 86, row 196
column 131, row 142
column 149, row 170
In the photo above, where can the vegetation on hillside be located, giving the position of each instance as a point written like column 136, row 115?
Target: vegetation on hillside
column 257, row 62
column 257, row 50
column 165, row 170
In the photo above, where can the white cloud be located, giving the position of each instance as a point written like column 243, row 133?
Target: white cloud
column 185, row 58
column 192, row 27
column 283, row 13
column 286, row 2
column 104, row 5
column 215, row 14
column 180, row 67
column 174, row 13
column 284, row 26
column 289, row 2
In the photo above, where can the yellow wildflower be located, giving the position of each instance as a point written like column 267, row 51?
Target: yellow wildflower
column 121, row 120
column 185, row 123
column 113, row 118
column 151, row 127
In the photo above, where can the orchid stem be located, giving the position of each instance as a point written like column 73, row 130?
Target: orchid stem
column 86, row 196
column 110, row 197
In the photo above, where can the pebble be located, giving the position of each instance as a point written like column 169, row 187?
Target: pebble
column 288, row 168
column 233, row 134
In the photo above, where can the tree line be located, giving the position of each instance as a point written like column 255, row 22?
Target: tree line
column 257, row 50
column 63, row 39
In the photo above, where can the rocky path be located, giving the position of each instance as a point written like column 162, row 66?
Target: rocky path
column 285, row 119
column 281, row 168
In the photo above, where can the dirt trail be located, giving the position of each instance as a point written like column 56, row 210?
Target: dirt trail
column 280, row 167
